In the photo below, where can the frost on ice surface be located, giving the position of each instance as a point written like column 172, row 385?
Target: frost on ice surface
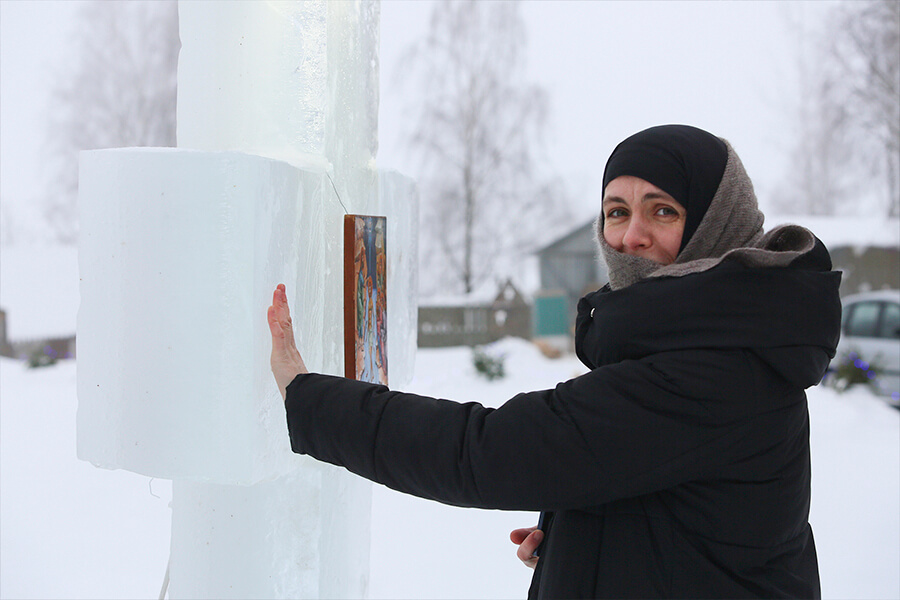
column 286, row 80
column 252, row 77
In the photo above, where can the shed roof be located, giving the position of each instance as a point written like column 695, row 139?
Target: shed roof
column 586, row 229
column 837, row 231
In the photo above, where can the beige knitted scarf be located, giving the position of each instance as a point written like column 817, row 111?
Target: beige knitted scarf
column 731, row 229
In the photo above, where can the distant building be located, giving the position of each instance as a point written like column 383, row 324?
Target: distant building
column 469, row 321
column 569, row 269
column 867, row 268
column 54, row 347
column 6, row 348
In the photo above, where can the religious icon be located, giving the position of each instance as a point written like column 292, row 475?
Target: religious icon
column 365, row 298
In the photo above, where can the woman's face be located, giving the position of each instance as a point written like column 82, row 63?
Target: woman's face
column 642, row 220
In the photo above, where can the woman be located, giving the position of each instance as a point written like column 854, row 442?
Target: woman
column 679, row 465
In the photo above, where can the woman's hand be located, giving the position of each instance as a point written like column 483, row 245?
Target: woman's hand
column 528, row 540
column 286, row 360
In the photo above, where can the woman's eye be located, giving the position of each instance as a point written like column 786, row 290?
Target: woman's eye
column 616, row 212
column 666, row 211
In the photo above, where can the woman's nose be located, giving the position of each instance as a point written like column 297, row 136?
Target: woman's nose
column 637, row 235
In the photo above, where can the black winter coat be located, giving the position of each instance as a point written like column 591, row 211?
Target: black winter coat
column 677, row 467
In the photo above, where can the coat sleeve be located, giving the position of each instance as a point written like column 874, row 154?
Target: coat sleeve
column 618, row 431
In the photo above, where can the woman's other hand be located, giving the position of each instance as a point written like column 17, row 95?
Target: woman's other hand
column 286, row 360
column 528, row 540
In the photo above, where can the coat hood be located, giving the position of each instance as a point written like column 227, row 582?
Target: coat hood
column 788, row 316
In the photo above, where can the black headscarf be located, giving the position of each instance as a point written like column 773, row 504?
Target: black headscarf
column 685, row 162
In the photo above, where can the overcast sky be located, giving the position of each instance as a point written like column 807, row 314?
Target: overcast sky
column 614, row 68
column 610, row 69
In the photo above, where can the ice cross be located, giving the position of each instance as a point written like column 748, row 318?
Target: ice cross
column 180, row 250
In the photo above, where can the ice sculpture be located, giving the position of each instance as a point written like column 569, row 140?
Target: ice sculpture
column 179, row 252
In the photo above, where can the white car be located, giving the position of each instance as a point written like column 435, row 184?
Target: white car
column 870, row 335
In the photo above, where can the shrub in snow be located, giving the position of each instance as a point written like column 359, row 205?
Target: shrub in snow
column 487, row 365
column 42, row 357
column 852, row 369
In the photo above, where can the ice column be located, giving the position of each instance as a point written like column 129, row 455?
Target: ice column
column 179, row 252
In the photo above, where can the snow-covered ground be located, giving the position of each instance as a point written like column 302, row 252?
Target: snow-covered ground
column 69, row 530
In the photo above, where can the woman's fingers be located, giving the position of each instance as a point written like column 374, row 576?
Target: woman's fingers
column 274, row 325
column 517, row 536
column 279, row 316
column 528, row 540
column 282, row 310
column 531, row 543
column 283, row 315
column 280, row 352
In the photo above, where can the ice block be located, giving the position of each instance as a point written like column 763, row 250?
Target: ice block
column 179, row 253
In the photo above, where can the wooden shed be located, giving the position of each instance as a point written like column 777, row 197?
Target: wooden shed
column 470, row 321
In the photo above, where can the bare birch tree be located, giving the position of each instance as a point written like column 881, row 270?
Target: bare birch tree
column 848, row 115
column 478, row 129
column 121, row 93
column 866, row 53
